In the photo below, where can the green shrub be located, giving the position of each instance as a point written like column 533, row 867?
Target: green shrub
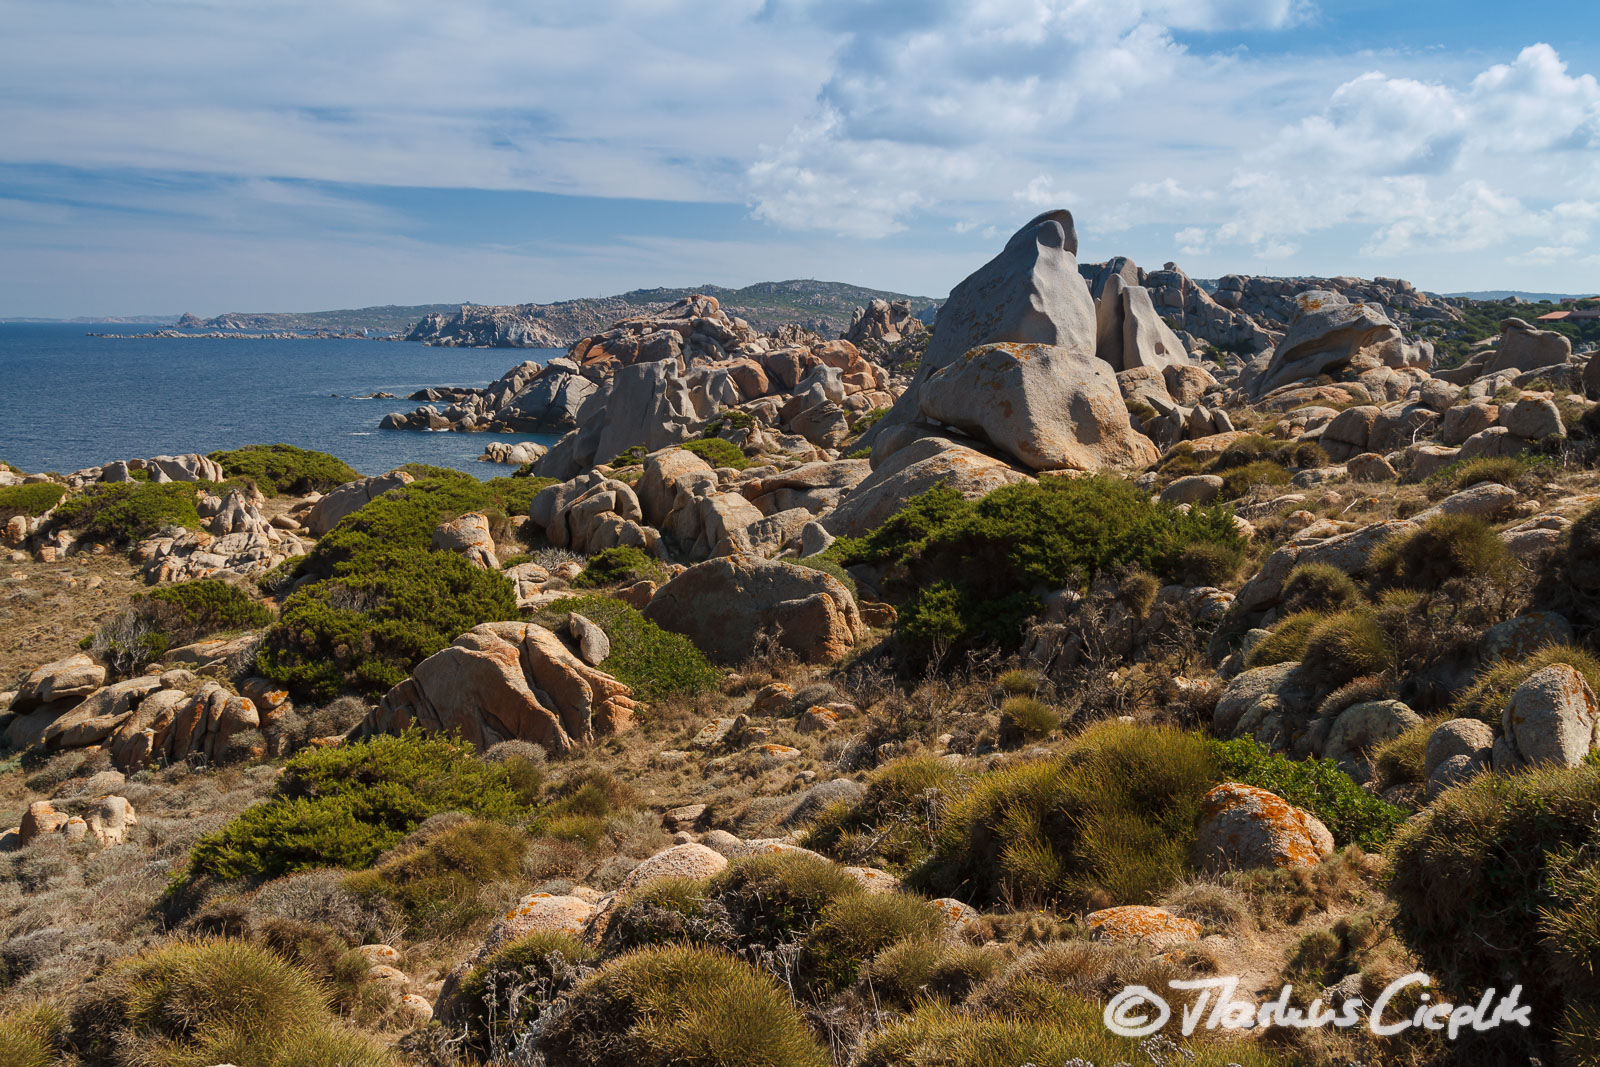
column 618, row 566
column 1318, row 587
column 207, row 606
column 656, row 664
column 29, row 500
column 854, row 929
column 286, row 469
column 1206, row 563
column 718, row 453
column 829, row 567
column 1444, row 548
column 122, row 512
column 774, row 897
column 507, row 992
column 1353, row 815
column 215, row 1001
column 278, row 580
column 1486, row 697
column 1497, row 883
column 1110, row 822
column 380, row 599
column 680, row 1006
column 893, row 825
column 173, row 615
column 343, row 806
column 967, row 572
column 867, row 420
column 380, row 615
column 1024, row 719
column 32, row 1035
column 664, row 911
column 437, row 882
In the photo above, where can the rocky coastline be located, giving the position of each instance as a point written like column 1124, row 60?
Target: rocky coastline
column 911, row 688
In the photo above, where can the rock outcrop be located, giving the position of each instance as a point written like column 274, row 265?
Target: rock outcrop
column 508, row 681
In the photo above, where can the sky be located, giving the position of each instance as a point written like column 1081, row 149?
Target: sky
column 159, row 156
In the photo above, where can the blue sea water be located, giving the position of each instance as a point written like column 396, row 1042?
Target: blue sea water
column 69, row 401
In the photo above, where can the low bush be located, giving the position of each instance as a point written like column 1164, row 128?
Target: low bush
column 286, row 469
column 1287, row 641
column 29, row 501
column 509, row 991
column 1445, row 548
column 1110, row 822
column 966, row 572
column 1497, row 884
column 1024, row 719
column 655, row 663
column 437, row 881
column 1463, row 474
column 893, row 825
column 170, row 616
column 776, row 897
column 123, row 512
column 1351, row 814
column 619, row 566
column 664, row 911
column 680, row 1006
column 1489, row 692
column 718, row 453
column 854, row 929
column 1018, row 682
column 1402, row 760
column 1318, row 587
column 343, row 806
column 907, row 973
column 214, row 1001
column 1238, row 481
column 1340, row 648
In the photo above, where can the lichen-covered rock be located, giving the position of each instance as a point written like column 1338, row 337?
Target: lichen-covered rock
column 70, row 678
column 679, row 861
column 468, row 536
column 1456, row 751
column 1551, row 718
column 1243, row 827
column 1141, row 924
column 912, row 469
column 1360, row 728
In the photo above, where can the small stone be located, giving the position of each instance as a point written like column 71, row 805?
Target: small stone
column 1139, row 923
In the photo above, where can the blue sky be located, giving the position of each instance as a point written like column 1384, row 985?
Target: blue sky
column 213, row 155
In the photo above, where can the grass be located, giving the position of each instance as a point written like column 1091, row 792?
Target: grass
column 29, row 500
column 892, row 826
column 854, row 929
column 438, row 882
column 1498, row 879
column 1465, row 473
column 772, row 898
column 31, row 1035
column 1110, row 822
column 1026, row 718
column 1445, row 548
column 680, row 1006
column 218, row 1001
column 284, row 468
column 654, row 663
column 343, row 806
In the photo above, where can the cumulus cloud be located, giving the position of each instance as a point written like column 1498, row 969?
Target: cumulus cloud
column 1513, row 154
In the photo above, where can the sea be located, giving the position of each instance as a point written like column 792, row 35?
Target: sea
column 69, row 400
